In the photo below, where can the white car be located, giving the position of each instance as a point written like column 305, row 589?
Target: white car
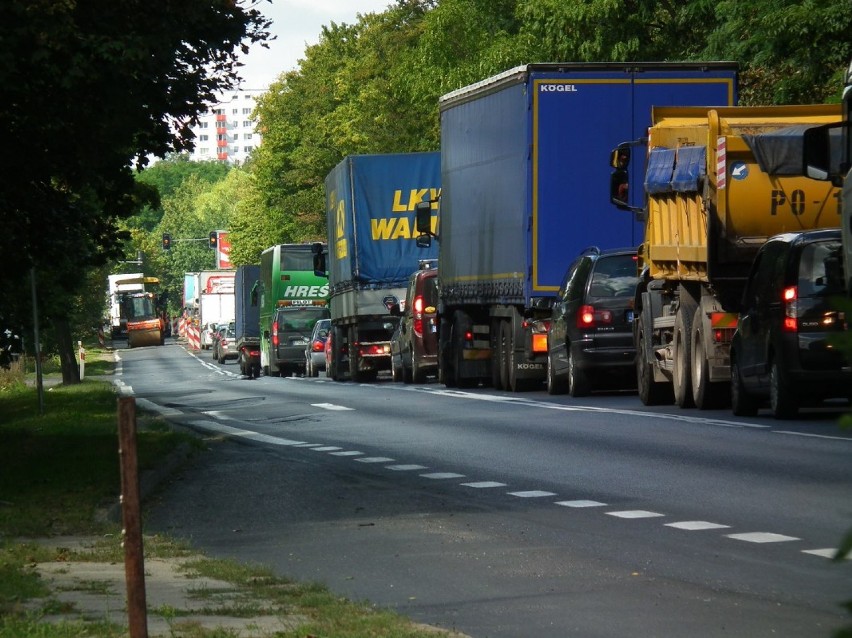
column 207, row 333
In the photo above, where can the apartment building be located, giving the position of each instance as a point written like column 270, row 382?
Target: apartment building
column 227, row 131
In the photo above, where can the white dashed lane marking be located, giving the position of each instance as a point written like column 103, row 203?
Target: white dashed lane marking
column 763, row 537
column 695, row 526
column 532, row 494
column 406, row 468
column 484, row 484
column 580, row 503
column 376, row 459
column 635, row 514
column 326, row 448
column 442, row 475
column 330, row 406
column 347, row 453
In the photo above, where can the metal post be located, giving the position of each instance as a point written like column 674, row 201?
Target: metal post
column 37, row 345
column 134, row 564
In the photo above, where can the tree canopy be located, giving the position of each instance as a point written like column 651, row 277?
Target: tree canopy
column 90, row 87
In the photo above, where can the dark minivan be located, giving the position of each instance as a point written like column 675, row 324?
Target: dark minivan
column 590, row 338
column 783, row 349
column 414, row 345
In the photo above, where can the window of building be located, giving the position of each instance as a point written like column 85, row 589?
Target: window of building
column 247, row 149
column 236, row 136
column 247, row 136
column 246, row 111
column 235, row 111
column 203, row 138
column 202, row 125
column 246, row 123
column 204, row 151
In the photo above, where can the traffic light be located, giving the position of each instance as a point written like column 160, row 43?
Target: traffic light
column 213, row 239
column 167, row 241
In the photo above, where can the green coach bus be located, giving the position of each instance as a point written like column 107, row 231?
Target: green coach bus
column 291, row 299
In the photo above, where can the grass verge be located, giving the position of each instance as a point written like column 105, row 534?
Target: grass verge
column 61, row 468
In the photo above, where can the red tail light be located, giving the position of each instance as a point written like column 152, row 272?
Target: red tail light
column 790, row 297
column 275, row 333
column 317, row 346
column 588, row 317
column 418, row 304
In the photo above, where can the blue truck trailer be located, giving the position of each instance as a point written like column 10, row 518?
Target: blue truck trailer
column 247, row 319
column 521, row 198
column 372, row 250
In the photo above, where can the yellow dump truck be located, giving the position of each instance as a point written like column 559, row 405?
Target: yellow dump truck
column 718, row 183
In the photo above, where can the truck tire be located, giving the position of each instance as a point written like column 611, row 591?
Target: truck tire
column 650, row 392
column 707, row 395
column 681, row 371
column 354, row 374
column 459, row 319
column 497, row 357
column 514, row 384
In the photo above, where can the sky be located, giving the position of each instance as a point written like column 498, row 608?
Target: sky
column 297, row 23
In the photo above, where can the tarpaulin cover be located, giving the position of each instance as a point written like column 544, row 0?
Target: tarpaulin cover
column 370, row 202
column 778, row 152
column 658, row 177
column 690, row 168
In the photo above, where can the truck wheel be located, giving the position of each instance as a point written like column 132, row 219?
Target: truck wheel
column 742, row 403
column 707, row 395
column 782, row 401
column 650, row 392
column 354, row 373
column 497, row 357
column 555, row 385
column 578, row 381
column 459, row 319
column 681, row 377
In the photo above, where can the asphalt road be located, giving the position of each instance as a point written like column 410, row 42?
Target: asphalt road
column 506, row 515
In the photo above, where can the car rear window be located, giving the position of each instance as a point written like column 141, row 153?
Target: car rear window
column 430, row 291
column 821, row 270
column 614, row 276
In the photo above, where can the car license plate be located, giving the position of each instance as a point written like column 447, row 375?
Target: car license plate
column 299, row 342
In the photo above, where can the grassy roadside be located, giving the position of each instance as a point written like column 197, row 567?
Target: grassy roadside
column 58, row 473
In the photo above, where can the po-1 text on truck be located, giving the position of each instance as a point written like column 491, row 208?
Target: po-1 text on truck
column 718, row 183
column 521, row 198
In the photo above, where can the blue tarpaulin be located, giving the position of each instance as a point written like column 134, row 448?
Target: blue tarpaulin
column 689, row 169
column 658, row 177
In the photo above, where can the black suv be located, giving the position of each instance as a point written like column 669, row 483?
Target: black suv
column 783, row 349
column 591, row 324
column 414, row 345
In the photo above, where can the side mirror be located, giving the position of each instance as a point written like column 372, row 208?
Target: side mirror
column 320, row 265
column 822, row 152
column 424, row 241
column 618, row 188
column 423, row 218
column 620, row 157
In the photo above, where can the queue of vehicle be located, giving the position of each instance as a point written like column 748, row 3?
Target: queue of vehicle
column 683, row 313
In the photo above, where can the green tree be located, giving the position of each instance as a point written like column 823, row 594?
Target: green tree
column 166, row 177
column 89, row 87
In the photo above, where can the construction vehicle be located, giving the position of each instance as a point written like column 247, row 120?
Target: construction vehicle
column 146, row 319
column 718, row 183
